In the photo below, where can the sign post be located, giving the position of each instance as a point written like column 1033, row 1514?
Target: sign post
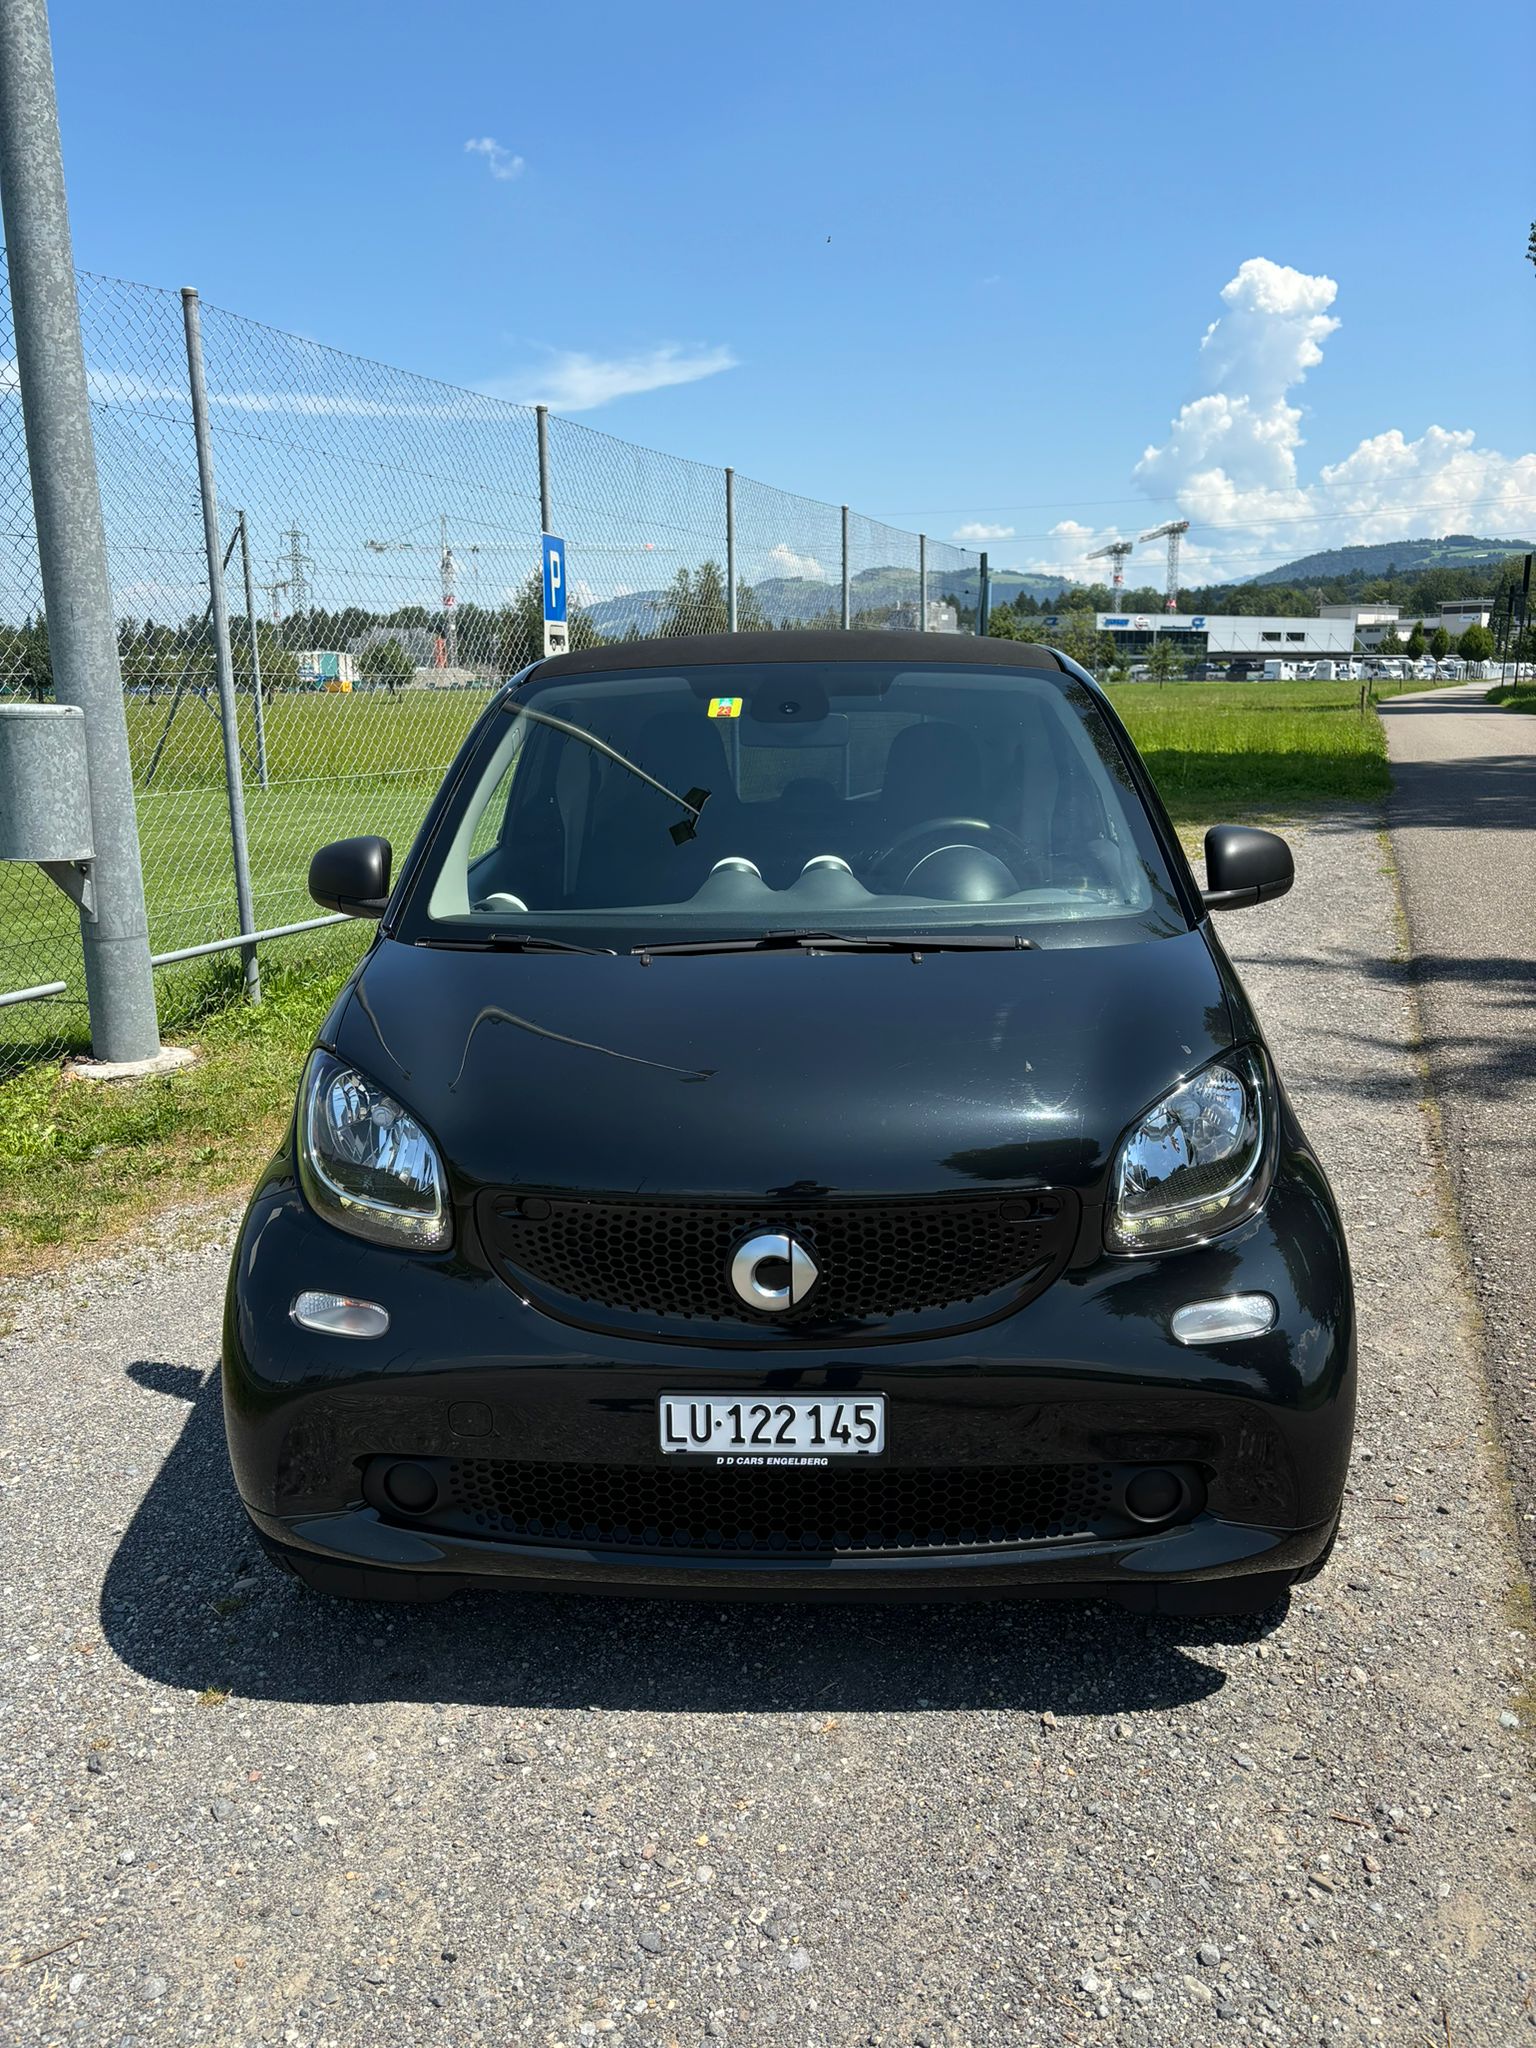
column 557, row 639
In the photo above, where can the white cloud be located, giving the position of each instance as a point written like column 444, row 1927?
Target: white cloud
column 1230, row 457
column 788, row 563
column 978, row 529
column 501, row 163
column 575, row 382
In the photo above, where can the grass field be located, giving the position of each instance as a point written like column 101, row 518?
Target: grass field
column 1512, row 697
column 78, row 1164
column 1253, row 750
column 336, row 765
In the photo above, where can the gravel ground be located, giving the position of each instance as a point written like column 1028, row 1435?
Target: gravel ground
column 1462, row 811
column 235, row 1813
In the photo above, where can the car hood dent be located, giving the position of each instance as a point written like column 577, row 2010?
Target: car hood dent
column 748, row 1074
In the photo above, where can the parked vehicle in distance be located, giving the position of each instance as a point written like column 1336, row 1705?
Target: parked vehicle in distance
column 1279, row 671
column 796, row 1131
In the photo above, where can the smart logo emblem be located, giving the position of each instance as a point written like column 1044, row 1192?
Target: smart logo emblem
column 773, row 1272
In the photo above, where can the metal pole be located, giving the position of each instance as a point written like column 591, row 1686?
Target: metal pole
column 543, row 416
column 730, row 551
column 922, row 583
column 250, row 621
column 223, row 660
column 71, row 544
column 984, row 599
column 846, row 612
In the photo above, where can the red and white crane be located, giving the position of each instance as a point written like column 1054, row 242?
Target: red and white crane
column 1116, row 552
column 1173, row 530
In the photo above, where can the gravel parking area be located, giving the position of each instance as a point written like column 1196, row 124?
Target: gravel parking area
column 234, row 1813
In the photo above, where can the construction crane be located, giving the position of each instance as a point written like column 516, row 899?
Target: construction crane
column 1116, row 552
column 448, row 569
column 273, row 590
column 1173, row 530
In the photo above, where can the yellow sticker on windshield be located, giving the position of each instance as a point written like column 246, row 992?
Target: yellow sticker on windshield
column 725, row 707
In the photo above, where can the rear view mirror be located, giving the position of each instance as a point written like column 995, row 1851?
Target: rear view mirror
column 352, row 875
column 1244, row 865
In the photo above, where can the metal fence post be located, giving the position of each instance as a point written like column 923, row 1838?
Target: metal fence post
column 224, row 666
column 846, row 610
column 983, row 599
column 71, row 544
column 730, row 551
column 922, row 583
column 544, row 514
column 250, row 620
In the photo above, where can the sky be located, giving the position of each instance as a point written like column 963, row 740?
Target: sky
column 1031, row 278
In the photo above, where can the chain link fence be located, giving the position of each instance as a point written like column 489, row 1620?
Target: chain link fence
column 381, row 549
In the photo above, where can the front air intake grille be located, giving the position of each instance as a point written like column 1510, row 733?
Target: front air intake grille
column 773, row 1511
column 887, row 1268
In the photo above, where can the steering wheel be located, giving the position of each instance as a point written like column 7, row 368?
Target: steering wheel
column 997, row 839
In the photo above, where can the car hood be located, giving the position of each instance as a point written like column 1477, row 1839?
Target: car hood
column 757, row 1073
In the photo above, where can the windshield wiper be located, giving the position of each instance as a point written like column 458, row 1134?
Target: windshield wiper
column 512, row 942
column 693, row 803
column 851, row 942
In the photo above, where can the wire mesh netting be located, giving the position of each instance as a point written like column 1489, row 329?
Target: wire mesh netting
column 380, row 538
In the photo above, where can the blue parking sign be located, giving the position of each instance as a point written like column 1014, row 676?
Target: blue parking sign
column 554, row 580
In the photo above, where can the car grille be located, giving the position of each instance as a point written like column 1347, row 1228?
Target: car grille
column 773, row 1511
column 924, row 1264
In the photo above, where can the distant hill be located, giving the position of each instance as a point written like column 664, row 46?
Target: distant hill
column 794, row 600
column 1395, row 557
column 1007, row 583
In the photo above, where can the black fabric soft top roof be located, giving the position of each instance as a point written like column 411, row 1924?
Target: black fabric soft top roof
column 690, row 650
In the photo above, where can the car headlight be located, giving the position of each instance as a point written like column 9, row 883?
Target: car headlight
column 365, row 1163
column 1196, row 1163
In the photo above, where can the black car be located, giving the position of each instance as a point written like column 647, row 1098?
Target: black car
column 795, row 1132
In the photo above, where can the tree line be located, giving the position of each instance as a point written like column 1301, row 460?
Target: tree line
column 497, row 641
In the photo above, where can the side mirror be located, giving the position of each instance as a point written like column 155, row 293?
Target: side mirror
column 1244, row 865
column 352, row 875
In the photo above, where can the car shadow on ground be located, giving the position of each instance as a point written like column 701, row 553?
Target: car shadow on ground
column 189, row 1602
column 1483, row 1062
column 1484, row 792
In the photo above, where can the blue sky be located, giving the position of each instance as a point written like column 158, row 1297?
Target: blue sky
column 1033, row 216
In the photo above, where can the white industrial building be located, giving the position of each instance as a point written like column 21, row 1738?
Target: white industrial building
column 1457, row 613
column 1373, row 622
column 1221, row 637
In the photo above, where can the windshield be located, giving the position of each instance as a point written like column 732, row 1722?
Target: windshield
column 743, row 800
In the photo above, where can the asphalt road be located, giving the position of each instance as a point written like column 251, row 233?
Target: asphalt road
column 233, row 1813
column 1463, row 822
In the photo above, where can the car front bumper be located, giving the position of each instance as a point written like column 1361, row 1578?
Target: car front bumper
column 1088, row 1373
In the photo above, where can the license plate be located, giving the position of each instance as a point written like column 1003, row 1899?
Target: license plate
column 773, row 1429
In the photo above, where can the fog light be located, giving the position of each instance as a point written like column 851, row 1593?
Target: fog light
column 1220, row 1322
column 338, row 1315
column 411, row 1488
column 1154, row 1496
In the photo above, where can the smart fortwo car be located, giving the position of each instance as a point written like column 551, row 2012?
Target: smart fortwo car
column 796, row 1132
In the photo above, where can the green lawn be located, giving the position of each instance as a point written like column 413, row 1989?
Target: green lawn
column 336, row 765
column 1514, row 697
column 1249, row 750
